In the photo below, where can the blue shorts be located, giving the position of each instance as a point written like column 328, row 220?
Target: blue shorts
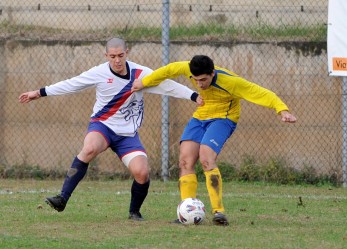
column 121, row 145
column 213, row 132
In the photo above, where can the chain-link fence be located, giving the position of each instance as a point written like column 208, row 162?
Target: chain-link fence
column 280, row 45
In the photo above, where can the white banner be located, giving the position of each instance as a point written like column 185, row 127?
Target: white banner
column 337, row 38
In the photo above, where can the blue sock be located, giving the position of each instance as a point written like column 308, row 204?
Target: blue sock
column 73, row 177
column 138, row 195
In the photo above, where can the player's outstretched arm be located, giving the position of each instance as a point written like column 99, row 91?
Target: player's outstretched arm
column 287, row 117
column 29, row 96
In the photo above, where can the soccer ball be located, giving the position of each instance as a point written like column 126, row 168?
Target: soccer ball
column 191, row 211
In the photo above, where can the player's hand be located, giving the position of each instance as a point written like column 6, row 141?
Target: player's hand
column 29, row 96
column 200, row 101
column 137, row 85
column 287, row 117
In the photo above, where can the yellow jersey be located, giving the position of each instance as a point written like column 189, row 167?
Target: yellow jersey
column 222, row 97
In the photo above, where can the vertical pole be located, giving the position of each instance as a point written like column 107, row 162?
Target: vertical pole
column 344, row 131
column 165, row 99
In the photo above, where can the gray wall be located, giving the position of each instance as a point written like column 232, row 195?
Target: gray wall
column 49, row 132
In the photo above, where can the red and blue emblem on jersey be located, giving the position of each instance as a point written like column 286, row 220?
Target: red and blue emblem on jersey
column 118, row 100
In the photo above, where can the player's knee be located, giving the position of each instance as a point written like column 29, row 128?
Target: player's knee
column 186, row 166
column 207, row 158
column 182, row 164
column 141, row 176
column 139, row 168
column 89, row 152
column 207, row 164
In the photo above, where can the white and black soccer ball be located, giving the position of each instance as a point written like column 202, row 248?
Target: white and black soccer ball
column 191, row 211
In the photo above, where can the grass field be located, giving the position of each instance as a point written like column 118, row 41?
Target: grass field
column 261, row 216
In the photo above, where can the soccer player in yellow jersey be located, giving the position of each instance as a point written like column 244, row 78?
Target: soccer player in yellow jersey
column 213, row 122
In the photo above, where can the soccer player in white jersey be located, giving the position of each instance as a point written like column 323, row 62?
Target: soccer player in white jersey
column 117, row 115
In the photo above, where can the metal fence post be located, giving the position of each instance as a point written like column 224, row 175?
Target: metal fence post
column 165, row 99
column 344, row 131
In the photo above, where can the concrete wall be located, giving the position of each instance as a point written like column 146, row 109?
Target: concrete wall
column 49, row 132
column 95, row 15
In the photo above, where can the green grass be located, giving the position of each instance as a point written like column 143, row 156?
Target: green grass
column 257, row 32
column 200, row 32
column 261, row 216
column 315, row 33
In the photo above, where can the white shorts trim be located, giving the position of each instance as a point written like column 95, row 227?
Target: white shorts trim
column 128, row 157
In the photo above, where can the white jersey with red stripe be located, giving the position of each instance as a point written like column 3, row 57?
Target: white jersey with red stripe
column 116, row 106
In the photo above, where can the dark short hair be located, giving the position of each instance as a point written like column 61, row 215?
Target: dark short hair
column 201, row 64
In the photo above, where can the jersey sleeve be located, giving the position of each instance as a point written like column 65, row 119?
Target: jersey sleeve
column 85, row 80
column 171, row 88
column 171, row 70
column 256, row 94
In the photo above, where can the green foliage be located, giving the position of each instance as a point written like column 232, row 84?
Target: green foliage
column 275, row 171
column 249, row 170
column 284, row 32
column 257, row 32
column 211, row 31
column 93, row 172
column 140, row 33
column 228, row 171
column 22, row 30
column 26, row 171
column 214, row 31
